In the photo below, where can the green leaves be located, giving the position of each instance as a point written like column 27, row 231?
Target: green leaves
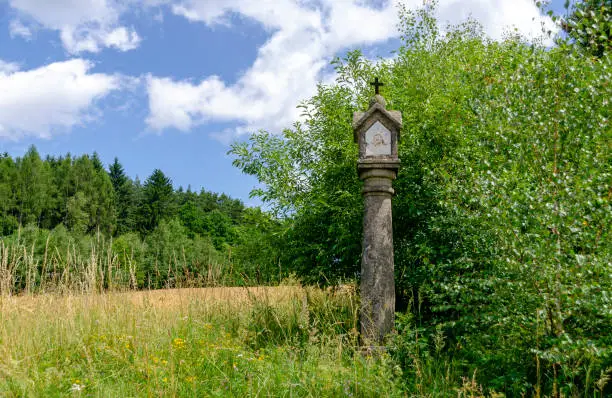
column 589, row 24
column 502, row 213
column 157, row 202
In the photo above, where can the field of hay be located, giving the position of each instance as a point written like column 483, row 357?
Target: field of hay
column 263, row 341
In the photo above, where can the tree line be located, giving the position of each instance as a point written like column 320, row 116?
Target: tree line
column 76, row 199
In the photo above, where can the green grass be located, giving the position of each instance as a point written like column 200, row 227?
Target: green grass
column 285, row 341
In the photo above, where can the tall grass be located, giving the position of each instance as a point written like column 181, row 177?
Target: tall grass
column 42, row 264
column 72, row 321
column 283, row 341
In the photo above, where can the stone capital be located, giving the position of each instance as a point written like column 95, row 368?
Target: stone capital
column 377, row 168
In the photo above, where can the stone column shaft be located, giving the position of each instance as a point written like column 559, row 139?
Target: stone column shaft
column 377, row 288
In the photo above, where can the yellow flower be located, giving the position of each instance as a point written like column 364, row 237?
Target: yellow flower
column 190, row 379
column 165, row 379
column 178, row 343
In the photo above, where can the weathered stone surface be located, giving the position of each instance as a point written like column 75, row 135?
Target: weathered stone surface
column 377, row 288
column 378, row 140
column 377, row 133
column 376, row 115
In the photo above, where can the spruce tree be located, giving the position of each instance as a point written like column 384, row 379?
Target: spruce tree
column 124, row 198
column 157, row 202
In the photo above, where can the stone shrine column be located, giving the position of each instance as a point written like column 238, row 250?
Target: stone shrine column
column 377, row 133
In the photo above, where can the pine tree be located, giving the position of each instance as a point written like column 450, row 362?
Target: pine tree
column 103, row 214
column 97, row 163
column 124, row 198
column 158, row 201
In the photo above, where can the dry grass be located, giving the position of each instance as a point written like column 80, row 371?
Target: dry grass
column 175, row 300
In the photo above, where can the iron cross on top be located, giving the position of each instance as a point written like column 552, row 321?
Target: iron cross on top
column 376, row 85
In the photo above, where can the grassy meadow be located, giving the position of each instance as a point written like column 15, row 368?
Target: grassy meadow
column 278, row 341
column 73, row 324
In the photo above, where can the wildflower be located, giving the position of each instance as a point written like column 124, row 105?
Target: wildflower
column 165, row 379
column 178, row 343
column 76, row 387
column 164, row 362
column 155, row 360
column 190, row 379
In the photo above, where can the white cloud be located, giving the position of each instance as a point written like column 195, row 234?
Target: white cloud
column 8, row 67
column 50, row 99
column 17, row 29
column 287, row 68
column 83, row 39
column 84, row 25
column 305, row 36
column 497, row 16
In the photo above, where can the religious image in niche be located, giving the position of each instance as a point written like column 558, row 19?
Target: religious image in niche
column 378, row 140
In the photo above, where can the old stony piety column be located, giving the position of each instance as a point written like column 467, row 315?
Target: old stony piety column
column 377, row 133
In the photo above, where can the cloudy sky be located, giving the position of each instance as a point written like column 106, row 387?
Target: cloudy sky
column 169, row 83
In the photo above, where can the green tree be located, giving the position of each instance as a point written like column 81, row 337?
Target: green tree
column 104, row 216
column 157, row 201
column 61, row 169
column 96, row 162
column 502, row 212
column 32, row 188
column 256, row 250
column 77, row 218
column 124, row 198
column 589, row 24
column 95, row 185
column 193, row 218
column 8, row 176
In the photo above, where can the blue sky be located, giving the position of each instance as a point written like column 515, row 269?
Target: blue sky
column 169, row 84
